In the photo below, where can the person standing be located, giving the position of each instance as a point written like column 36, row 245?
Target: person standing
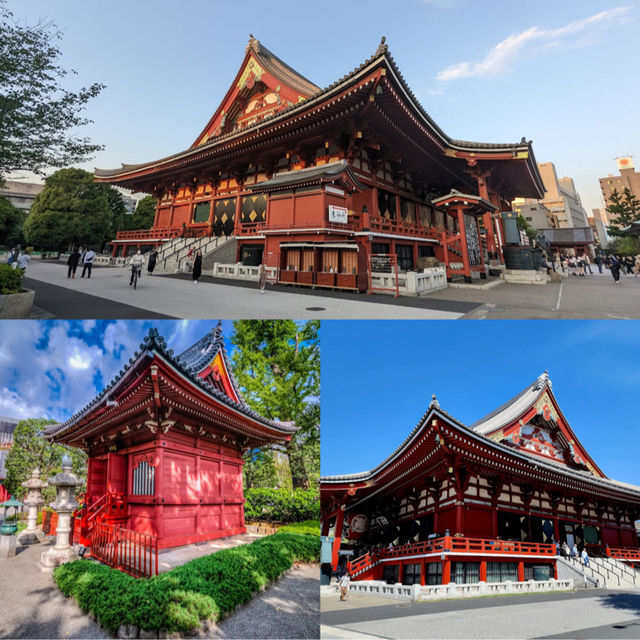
column 136, row 263
column 153, row 257
column 262, row 277
column 614, row 266
column 585, row 558
column 72, row 262
column 344, row 586
column 629, row 262
column 599, row 262
column 197, row 267
column 574, row 550
column 587, row 263
column 87, row 262
column 23, row 260
column 637, row 265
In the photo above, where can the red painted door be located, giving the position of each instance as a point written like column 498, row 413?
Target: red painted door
column 116, row 473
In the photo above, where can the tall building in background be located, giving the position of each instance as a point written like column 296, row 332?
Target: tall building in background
column 561, row 198
column 535, row 213
column 629, row 178
column 600, row 224
column 21, row 194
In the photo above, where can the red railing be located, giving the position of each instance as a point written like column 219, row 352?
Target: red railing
column 368, row 222
column 625, row 554
column 129, row 551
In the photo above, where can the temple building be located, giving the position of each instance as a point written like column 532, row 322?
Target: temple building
column 312, row 182
column 165, row 441
column 485, row 502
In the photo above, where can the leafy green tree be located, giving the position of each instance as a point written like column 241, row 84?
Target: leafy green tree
column 117, row 209
column 624, row 245
column 30, row 449
column 39, row 118
column 11, row 223
column 523, row 225
column 624, row 209
column 142, row 217
column 71, row 210
column 277, row 364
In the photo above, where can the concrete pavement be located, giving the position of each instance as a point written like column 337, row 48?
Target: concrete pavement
column 31, row 606
column 581, row 614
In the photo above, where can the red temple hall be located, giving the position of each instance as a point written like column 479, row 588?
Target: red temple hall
column 314, row 182
column 485, row 502
column 165, row 442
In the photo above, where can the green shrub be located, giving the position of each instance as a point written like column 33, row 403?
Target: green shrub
column 307, row 528
column 10, row 279
column 204, row 589
column 280, row 505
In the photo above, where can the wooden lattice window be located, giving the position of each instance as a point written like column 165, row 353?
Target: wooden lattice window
column 144, row 479
column 201, row 212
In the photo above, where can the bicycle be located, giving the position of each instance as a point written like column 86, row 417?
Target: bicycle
column 136, row 272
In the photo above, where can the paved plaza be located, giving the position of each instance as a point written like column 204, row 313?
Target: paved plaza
column 107, row 295
column 581, row 614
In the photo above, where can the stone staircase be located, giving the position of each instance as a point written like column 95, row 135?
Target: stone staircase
column 173, row 256
column 609, row 572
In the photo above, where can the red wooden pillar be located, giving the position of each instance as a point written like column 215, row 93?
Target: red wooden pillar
column 494, row 520
column 463, row 244
column 521, row 571
column 443, row 242
column 446, row 570
column 114, row 252
column 483, row 571
column 326, row 525
column 123, row 253
column 337, row 536
column 401, row 572
column 423, row 572
column 159, row 489
column 238, row 213
column 460, row 514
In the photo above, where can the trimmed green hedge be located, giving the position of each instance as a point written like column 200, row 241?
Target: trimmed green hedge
column 307, row 528
column 204, row 589
column 281, row 506
column 10, row 279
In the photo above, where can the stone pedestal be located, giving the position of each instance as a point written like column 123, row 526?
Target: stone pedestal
column 65, row 505
column 34, row 500
column 7, row 547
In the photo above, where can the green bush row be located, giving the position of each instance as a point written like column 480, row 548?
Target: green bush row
column 307, row 528
column 281, row 505
column 204, row 589
column 10, row 279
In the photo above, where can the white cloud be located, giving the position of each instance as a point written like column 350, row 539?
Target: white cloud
column 503, row 57
column 13, row 405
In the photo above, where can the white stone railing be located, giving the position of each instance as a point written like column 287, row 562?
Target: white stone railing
column 239, row 271
column 453, row 590
column 411, row 283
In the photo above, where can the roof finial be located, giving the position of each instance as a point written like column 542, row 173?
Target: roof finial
column 382, row 47
column 253, row 42
column 434, row 402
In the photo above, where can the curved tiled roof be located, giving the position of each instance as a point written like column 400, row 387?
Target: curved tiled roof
column 152, row 343
column 381, row 55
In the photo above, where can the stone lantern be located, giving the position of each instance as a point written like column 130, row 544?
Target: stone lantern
column 8, row 530
column 34, row 500
column 66, row 483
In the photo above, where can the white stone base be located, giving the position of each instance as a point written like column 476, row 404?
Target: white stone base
column 34, row 536
column 525, row 276
column 7, row 546
column 53, row 557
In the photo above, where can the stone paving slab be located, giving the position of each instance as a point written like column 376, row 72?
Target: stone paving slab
column 31, row 605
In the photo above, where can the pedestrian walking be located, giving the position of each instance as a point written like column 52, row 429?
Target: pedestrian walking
column 136, row 262
column 599, row 262
column 637, row 265
column 197, row 267
column 585, row 558
column 574, row 551
column 262, row 277
column 87, row 262
column 629, row 263
column 72, row 262
column 614, row 267
column 565, row 549
column 153, row 257
column 344, row 586
column 23, row 260
column 587, row 263
column 13, row 256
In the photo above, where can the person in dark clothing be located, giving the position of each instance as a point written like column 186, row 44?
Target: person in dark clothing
column 599, row 262
column 153, row 257
column 614, row 266
column 72, row 261
column 197, row 267
column 628, row 262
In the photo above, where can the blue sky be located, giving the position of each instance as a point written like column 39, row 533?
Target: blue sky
column 51, row 369
column 560, row 73
column 378, row 378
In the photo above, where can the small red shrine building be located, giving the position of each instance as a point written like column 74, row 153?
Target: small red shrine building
column 457, row 503
column 165, row 441
column 315, row 181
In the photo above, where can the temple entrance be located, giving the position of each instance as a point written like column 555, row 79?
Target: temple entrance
column 509, row 526
column 116, row 473
column 251, row 255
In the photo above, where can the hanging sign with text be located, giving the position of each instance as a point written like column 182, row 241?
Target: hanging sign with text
column 338, row 214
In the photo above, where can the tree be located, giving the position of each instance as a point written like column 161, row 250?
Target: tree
column 30, row 449
column 142, row 217
column 277, row 364
column 624, row 209
column 523, row 225
column 71, row 210
column 117, row 209
column 11, row 223
column 37, row 114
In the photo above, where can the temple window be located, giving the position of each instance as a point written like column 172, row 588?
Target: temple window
column 201, row 212
column 390, row 573
column 434, row 573
column 144, row 479
column 386, row 204
column 502, row 571
column 411, row 574
column 465, row 572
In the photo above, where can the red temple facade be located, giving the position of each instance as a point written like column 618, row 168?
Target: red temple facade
column 488, row 501
column 314, row 181
column 165, row 442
